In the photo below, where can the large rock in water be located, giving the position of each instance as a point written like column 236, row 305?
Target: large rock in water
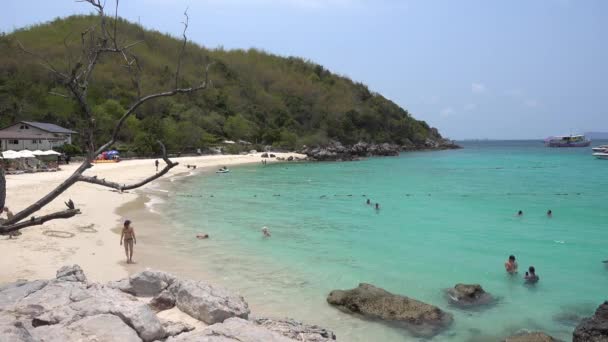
column 207, row 303
column 419, row 318
column 595, row 328
column 465, row 295
column 530, row 337
column 296, row 330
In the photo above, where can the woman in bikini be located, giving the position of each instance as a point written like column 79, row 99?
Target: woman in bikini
column 128, row 235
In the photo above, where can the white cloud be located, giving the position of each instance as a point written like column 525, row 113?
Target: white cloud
column 447, row 111
column 470, row 106
column 531, row 103
column 516, row 92
column 478, row 88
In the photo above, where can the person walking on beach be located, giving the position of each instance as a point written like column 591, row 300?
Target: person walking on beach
column 156, row 163
column 511, row 265
column 128, row 235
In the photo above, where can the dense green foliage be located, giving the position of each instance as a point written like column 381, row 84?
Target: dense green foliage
column 256, row 96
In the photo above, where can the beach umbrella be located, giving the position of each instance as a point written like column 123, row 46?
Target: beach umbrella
column 26, row 154
column 51, row 153
column 38, row 153
column 10, row 154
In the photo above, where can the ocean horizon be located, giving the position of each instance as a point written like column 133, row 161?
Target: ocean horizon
column 445, row 217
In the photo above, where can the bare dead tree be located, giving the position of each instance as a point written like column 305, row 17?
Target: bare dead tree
column 96, row 41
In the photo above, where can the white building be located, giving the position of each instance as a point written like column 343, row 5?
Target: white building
column 26, row 135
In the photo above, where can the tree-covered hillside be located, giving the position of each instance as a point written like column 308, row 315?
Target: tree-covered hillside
column 256, row 96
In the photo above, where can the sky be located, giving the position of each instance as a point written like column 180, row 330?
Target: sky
column 508, row 69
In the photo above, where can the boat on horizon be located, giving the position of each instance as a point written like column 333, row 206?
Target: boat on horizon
column 568, row 141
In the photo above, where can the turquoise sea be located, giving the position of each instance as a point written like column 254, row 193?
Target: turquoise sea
column 446, row 217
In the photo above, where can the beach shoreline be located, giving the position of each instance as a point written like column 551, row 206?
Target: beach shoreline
column 90, row 239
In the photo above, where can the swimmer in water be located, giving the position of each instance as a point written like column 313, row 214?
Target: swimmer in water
column 531, row 277
column 266, row 232
column 520, row 213
column 549, row 213
column 368, row 202
column 377, row 206
column 511, row 265
column 202, row 236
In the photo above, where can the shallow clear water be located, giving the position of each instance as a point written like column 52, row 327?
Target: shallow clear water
column 446, row 217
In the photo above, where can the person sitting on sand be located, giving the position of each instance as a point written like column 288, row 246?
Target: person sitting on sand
column 520, row 213
column 511, row 265
column 128, row 235
column 549, row 213
column 202, row 236
column 266, row 232
column 531, row 277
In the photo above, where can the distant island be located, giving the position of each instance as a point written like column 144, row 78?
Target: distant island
column 257, row 98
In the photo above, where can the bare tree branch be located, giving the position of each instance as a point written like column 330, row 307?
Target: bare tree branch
column 76, row 82
column 36, row 221
column 124, row 187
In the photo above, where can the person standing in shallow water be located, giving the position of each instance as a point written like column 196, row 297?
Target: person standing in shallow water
column 531, row 277
column 549, row 213
column 128, row 236
column 511, row 265
column 520, row 213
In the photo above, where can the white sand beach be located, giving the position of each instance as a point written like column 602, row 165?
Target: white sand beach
column 90, row 239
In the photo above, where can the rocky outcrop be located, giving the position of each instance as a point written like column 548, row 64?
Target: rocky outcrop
column 419, row 318
column 335, row 151
column 595, row 328
column 530, row 337
column 68, row 308
column 207, row 303
column 232, row 330
column 296, row 330
column 468, row 295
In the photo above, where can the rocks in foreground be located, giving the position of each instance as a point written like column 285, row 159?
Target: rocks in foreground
column 68, row 308
column 595, row 328
column 468, row 296
column 530, row 337
column 419, row 318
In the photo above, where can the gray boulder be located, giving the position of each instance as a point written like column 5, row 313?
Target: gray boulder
column 419, row 318
column 296, row 330
column 164, row 301
column 71, row 273
column 14, row 332
column 176, row 328
column 468, row 295
column 12, row 293
column 232, row 330
column 595, row 328
column 99, row 328
column 530, row 337
column 207, row 303
column 264, row 155
column 149, row 283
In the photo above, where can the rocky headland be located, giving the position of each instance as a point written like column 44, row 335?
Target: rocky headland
column 69, row 308
column 335, row 151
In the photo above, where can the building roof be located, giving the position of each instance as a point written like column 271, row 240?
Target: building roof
column 4, row 135
column 49, row 127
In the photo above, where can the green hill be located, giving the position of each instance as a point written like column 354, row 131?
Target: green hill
column 256, row 96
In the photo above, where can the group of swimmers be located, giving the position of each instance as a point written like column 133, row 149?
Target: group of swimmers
column 530, row 277
column 549, row 213
column 376, row 206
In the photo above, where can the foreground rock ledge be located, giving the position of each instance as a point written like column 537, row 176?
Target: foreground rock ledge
column 530, row 337
column 68, row 308
column 468, row 296
column 595, row 328
column 419, row 318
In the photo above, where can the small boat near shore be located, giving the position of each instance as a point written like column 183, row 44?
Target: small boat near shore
column 223, row 170
column 568, row 141
column 601, row 148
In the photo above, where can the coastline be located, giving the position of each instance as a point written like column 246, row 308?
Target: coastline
column 91, row 238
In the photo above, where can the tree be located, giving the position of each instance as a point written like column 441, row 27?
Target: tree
column 98, row 42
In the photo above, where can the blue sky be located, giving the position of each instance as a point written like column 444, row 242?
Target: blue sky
column 472, row 68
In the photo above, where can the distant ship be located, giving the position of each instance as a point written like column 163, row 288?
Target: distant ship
column 568, row 141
